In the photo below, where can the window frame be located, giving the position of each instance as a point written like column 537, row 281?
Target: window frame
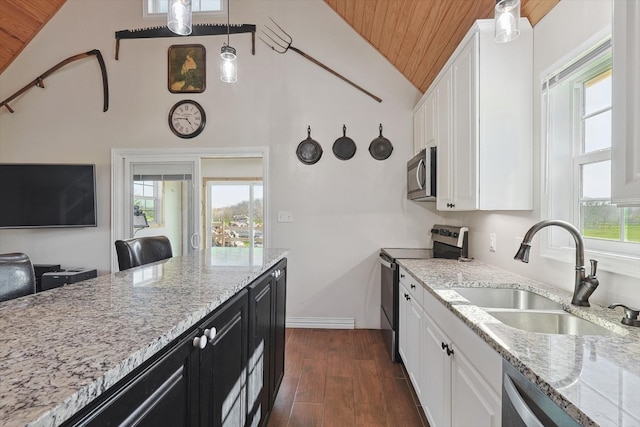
column 195, row 10
column 158, row 197
column 616, row 256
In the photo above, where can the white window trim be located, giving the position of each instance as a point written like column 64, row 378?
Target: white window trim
column 623, row 264
column 160, row 15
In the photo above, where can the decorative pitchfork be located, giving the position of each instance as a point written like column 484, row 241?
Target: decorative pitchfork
column 285, row 44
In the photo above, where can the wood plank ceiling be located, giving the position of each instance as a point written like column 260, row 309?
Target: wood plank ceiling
column 416, row 36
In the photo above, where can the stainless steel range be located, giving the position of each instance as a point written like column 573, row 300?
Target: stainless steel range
column 448, row 242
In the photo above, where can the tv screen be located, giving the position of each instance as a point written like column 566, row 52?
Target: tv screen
column 47, row 195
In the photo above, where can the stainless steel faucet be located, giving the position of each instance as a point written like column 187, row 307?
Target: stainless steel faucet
column 584, row 285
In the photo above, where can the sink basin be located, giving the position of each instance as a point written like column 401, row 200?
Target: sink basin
column 549, row 322
column 507, row 298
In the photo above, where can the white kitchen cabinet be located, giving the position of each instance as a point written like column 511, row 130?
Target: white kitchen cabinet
column 424, row 125
column 456, row 375
column 625, row 145
column 410, row 318
column 484, row 128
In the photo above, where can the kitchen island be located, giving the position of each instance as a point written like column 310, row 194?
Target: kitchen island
column 593, row 378
column 62, row 349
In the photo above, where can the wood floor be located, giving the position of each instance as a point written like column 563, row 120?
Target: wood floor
column 343, row 378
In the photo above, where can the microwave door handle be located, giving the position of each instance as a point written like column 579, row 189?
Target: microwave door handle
column 421, row 166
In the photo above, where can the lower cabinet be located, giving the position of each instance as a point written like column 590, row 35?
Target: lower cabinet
column 456, row 375
column 267, row 300
column 225, row 371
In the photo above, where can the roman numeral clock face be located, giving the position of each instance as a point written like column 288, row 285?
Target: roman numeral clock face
column 187, row 119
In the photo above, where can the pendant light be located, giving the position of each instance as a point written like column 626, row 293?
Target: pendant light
column 179, row 17
column 507, row 20
column 228, row 59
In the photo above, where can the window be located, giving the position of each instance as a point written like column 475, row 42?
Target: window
column 577, row 129
column 236, row 213
column 147, row 195
column 158, row 8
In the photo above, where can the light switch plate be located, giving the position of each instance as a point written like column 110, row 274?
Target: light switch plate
column 285, row 216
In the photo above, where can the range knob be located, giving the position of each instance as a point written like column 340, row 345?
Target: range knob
column 435, row 231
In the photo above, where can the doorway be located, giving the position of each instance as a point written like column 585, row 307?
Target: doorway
column 163, row 184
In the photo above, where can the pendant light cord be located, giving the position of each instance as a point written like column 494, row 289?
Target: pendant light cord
column 228, row 28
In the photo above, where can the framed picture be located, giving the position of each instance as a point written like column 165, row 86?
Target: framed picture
column 187, row 68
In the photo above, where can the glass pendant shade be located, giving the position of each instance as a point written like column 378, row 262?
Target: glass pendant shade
column 507, row 20
column 179, row 17
column 228, row 65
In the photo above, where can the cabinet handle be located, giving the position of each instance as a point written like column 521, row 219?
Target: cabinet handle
column 451, row 205
column 413, row 286
column 200, row 342
column 402, row 276
column 406, row 296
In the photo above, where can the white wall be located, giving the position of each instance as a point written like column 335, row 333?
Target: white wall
column 564, row 29
column 344, row 211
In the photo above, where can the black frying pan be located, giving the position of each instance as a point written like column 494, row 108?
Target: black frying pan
column 380, row 148
column 344, row 148
column 309, row 151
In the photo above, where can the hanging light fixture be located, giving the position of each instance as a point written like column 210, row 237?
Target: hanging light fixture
column 507, row 20
column 179, row 17
column 228, row 58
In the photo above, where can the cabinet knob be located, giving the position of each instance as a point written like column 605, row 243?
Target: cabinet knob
column 402, row 276
column 210, row 333
column 447, row 349
column 200, row 342
column 413, row 286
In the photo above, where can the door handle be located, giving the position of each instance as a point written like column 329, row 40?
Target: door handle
column 195, row 241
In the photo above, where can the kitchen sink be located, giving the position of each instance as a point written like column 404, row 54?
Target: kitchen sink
column 549, row 322
column 507, row 298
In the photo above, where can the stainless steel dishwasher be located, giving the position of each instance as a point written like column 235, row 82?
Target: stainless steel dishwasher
column 525, row 405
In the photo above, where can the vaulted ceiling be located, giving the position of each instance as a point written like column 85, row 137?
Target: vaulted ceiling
column 416, row 36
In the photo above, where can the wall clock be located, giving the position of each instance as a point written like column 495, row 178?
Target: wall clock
column 187, row 119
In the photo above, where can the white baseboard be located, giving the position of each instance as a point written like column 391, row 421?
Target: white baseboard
column 321, row 322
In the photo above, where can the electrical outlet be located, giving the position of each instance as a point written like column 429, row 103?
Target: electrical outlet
column 285, row 216
column 492, row 242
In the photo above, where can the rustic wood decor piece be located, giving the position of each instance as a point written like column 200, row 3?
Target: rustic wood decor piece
column 187, row 68
column 197, row 30
column 39, row 81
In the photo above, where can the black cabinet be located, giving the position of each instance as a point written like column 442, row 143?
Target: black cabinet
column 224, row 371
column 267, row 307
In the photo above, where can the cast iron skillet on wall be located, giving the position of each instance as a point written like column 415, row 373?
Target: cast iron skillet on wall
column 344, row 148
column 380, row 148
column 309, row 151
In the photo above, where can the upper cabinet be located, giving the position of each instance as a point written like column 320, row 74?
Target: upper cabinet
column 483, row 101
column 625, row 146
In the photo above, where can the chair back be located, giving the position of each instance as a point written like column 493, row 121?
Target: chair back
column 142, row 250
column 17, row 278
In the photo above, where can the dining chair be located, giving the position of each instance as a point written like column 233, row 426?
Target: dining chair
column 17, row 278
column 142, row 250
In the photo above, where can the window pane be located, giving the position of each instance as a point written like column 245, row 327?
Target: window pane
column 597, row 132
column 632, row 225
column 258, row 213
column 597, row 93
column 600, row 220
column 596, row 180
column 137, row 189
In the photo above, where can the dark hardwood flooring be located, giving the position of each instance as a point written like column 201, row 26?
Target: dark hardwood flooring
column 343, row 378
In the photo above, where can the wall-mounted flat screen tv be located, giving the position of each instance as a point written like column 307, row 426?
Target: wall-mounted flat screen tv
column 47, row 195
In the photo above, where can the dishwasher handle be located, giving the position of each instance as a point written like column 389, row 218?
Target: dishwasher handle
column 385, row 261
column 524, row 412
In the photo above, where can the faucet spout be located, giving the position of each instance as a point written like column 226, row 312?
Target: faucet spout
column 584, row 286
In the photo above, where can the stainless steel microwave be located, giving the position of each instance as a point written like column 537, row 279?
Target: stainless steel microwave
column 421, row 176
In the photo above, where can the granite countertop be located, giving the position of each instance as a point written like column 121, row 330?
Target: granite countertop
column 62, row 348
column 595, row 379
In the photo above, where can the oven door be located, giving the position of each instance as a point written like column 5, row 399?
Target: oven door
column 388, row 304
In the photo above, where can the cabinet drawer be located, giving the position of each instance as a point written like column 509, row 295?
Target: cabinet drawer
column 415, row 288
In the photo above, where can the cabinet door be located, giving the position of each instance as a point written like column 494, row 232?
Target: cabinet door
column 444, row 190
column 418, row 129
column 465, row 118
column 625, row 148
column 223, row 366
column 410, row 318
column 164, row 393
column 260, row 350
column 280, row 317
column 473, row 402
column 436, row 375
column 424, row 124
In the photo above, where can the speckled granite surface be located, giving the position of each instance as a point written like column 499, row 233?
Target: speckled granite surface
column 61, row 348
column 595, row 379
